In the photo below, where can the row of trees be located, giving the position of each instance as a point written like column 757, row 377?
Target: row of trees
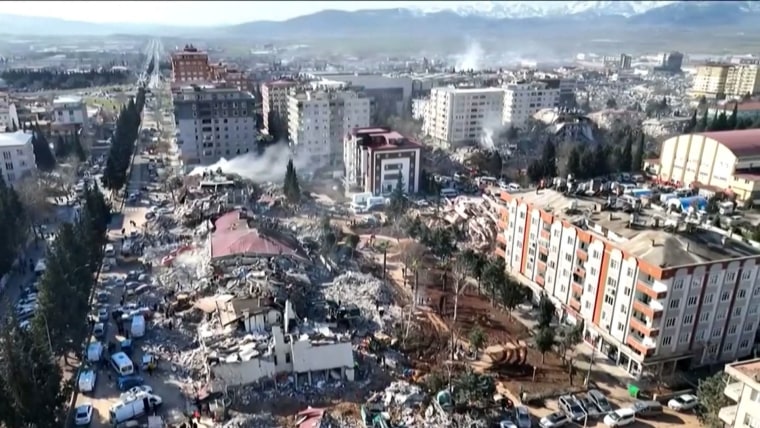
column 123, row 143
column 27, row 80
column 721, row 121
column 66, row 145
column 31, row 388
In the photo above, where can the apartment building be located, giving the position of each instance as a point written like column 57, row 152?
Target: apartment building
column 213, row 122
column 8, row 116
column 319, row 119
column 374, row 158
column 392, row 94
column 69, row 114
column 730, row 80
column 656, row 292
column 17, row 155
column 461, row 115
column 190, row 65
column 722, row 161
column 625, row 61
column 274, row 96
column 523, row 100
column 743, row 388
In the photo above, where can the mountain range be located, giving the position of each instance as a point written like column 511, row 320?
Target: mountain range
column 486, row 19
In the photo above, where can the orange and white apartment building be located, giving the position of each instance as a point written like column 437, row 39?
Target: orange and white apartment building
column 656, row 292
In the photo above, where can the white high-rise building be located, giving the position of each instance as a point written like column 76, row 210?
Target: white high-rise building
column 17, row 155
column 460, row 115
column 8, row 116
column 319, row 119
column 523, row 100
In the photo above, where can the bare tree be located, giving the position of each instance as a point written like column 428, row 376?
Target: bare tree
column 33, row 194
column 412, row 254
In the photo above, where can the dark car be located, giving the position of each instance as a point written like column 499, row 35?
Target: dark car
column 600, row 400
column 126, row 382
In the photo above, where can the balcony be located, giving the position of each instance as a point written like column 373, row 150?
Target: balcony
column 581, row 254
column 575, row 305
column 651, row 309
column 652, row 289
column 576, row 287
column 540, row 280
column 644, row 345
column 545, row 234
column 644, row 327
column 734, row 391
column 543, row 250
column 541, row 264
column 728, row 414
column 580, row 271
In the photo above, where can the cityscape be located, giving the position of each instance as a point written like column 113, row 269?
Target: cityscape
column 380, row 214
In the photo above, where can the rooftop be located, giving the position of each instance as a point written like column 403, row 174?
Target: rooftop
column 233, row 236
column 67, row 99
column 18, row 138
column 749, row 368
column 469, row 90
column 742, row 143
column 378, row 139
column 745, row 106
column 647, row 238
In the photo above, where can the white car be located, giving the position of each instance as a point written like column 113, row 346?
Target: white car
column 554, row 420
column 683, row 402
column 83, row 415
column 135, row 390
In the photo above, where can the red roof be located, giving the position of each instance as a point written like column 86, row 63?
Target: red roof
column 310, row 418
column 742, row 143
column 744, row 106
column 233, row 236
column 385, row 139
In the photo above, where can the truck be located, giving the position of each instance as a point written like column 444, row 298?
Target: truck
column 133, row 407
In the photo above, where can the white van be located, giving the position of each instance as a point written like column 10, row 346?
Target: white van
column 620, row 418
column 132, row 407
column 94, row 352
column 138, row 326
column 110, row 252
column 122, row 364
column 514, row 187
column 87, row 381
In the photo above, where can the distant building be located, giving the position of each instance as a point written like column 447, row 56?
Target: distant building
column 457, row 116
column 69, row 114
column 419, row 105
column 375, row 158
column 274, row 97
column 726, row 80
column 523, row 100
column 8, row 116
column 319, row 119
column 625, row 61
column 213, row 122
column 17, row 155
column 392, row 95
column 671, row 62
column 190, row 65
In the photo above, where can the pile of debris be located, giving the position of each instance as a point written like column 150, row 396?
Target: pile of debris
column 369, row 294
column 262, row 420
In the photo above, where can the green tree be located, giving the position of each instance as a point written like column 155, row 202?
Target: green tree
column 291, row 188
column 477, row 338
column 713, row 125
column 511, row 295
column 625, row 159
column 574, row 162
column 398, row 202
column 569, row 338
column 733, row 120
column 352, row 240
column 545, row 341
column 546, row 311
column 692, row 126
column 712, row 399
column 611, row 103
column 638, row 155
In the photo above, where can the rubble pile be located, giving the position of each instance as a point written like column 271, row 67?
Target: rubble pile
column 371, row 295
column 261, row 420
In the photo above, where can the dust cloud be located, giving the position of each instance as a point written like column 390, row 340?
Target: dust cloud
column 260, row 168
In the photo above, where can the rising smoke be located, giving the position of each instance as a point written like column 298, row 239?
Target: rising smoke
column 260, row 168
column 472, row 59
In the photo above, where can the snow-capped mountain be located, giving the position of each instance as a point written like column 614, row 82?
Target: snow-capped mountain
column 544, row 9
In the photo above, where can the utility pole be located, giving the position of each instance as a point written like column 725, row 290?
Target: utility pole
column 591, row 363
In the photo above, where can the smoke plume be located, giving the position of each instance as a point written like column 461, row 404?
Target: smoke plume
column 267, row 167
column 472, row 59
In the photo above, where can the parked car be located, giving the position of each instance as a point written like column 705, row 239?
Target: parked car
column 646, row 409
column 130, row 381
column 572, row 407
column 103, row 314
column 600, row 400
column 620, row 418
column 591, row 409
column 99, row 330
column 136, row 390
column 83, row 415
column 683, row 402
column 554, row 420
column 522, row 417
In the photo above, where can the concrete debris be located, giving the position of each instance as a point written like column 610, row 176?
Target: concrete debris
column 371, row 295
column 262, row 420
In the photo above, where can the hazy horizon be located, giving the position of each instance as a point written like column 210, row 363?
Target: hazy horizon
column 200, row 13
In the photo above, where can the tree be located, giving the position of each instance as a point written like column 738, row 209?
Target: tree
column 60, row 147
column 712, row 399
column 398, row 202
column 352, row 240
column 477, row 338
column 494, row 277
column 511, row 295
column 14, row 228
column 291, row 188
column 625, row 159
column 42, row 154
column 574, row 162
column 27, row 80
column 702, row 126
column 611, row 103
column 546, row 311
column 544, row 342
column 638, row 155
column 569, row 338
column 549, row 158
column 733, row 120
column 692, row 126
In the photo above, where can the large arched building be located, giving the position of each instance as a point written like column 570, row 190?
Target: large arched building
column 726, row 161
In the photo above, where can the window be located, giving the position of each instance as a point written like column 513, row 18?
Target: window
column 688, row 319
column 629, row 272
column 742, row 293
column 667, row 340
column 684, row 338
column 728, row 347
column 720, row 315
column 738, row 312
column 731, row 276
column 612, row 282
column 713, row 279
column 692, row 301
column 756, row 291
column 744, row 344
column 704, row 317
column 725, row 296
column 569, row 257
column 752, row 310
column 700, row 336
column 696, row 283
column 708, row 299
column 746, row 274
column 608, row 300
column 627, row 291
column 670, row 322
column 623, row 309
column 678, row 284
column 717, row 331
column 732, row 329
column 613, row 264
column 674, row 303
column 621, row 326
column 749, row 326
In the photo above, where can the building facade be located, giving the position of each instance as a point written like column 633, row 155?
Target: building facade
column 625, row 61
column 523, row 100
column 8, row 116
column 656, row 293
column 742, row 80
column 375, row 158
column 723, row 161
column 190, row 65
column 319, row 119
column 462, row 115
column 69, row 114
column 726, row 80
column 213, row 122
column 274, row 97
column 17, row 155
column 743, row 389
column 710, row 81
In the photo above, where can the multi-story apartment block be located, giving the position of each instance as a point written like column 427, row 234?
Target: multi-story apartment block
column 8, row 116
column 318, row 120
column 710, row 81
column 625, row 61
column 461, row 115
column 523, row 100
column 743, row 80
column 419, row 106
column 69, row 114
column 17, row 155
column 375, row 158
column 730, row 80
column 213, row 122
column 274, row 98
column 656, row 292
column 721, row 161
column 743, row 388
column 190, row 65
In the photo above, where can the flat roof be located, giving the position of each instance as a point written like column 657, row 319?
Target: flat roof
column 67, row 99
column 11, row 139
column 749, row 368
column 643, row 240
column 468, row 90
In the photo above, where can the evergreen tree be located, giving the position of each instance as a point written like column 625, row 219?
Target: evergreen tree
column 638, row 154
column 702, row 126
column 625, row 160
column 14, row 125
column 76, row 146
column 733, row 121
column 692, row 126
column 574, row 162
column 549, row 159
column 722, row 123
column 291, row 187
column 398, row 203
column 714, row 123
column 43, row 156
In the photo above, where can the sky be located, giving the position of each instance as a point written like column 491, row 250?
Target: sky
column 200, row 13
